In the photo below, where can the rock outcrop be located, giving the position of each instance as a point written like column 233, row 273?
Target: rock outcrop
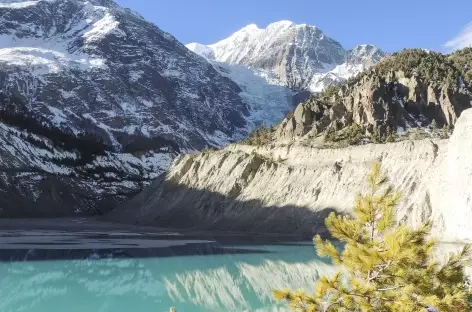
column 290, row 189
column 372, row 101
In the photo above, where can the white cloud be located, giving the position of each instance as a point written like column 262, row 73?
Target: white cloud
column 462, row 40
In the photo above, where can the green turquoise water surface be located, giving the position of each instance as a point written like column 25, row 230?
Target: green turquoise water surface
column 190, row 275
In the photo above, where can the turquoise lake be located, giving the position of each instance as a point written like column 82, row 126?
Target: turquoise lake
column 107, row 270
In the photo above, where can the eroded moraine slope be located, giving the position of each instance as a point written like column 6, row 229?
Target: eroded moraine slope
column 290, row 189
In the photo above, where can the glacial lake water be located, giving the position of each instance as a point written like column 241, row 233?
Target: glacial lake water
column 77, row 265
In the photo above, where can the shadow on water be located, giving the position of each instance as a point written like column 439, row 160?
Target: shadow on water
column 207, row 223
column 197, row 249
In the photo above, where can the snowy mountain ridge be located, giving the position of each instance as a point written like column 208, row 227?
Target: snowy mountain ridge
column 95, row 102
column 298, row 56
column 81, row 43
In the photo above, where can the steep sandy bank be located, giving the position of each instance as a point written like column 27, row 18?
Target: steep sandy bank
column 291, row 189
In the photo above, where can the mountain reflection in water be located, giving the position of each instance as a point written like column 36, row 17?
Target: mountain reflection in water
column 198, row 276
column 83, row 265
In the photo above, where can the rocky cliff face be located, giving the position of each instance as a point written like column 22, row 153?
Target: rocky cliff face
column 48, row 172
column 290, row 189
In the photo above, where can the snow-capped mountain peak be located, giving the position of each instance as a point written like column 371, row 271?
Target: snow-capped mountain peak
column 249, row 29
column 284, row 24
column 255, row 47
column 298, row 56
column 365, row 54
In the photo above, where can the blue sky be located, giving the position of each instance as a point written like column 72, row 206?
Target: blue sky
column 390, row 25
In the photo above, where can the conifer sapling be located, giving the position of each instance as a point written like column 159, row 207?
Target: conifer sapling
column 383, row 266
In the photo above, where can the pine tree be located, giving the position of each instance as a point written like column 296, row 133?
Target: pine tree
column 384, row 267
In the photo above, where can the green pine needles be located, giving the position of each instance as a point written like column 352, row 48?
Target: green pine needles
column 383, row 266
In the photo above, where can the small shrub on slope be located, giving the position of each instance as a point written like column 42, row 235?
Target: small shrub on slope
column 429, row 65
column 462, row 60
column 261, row 136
